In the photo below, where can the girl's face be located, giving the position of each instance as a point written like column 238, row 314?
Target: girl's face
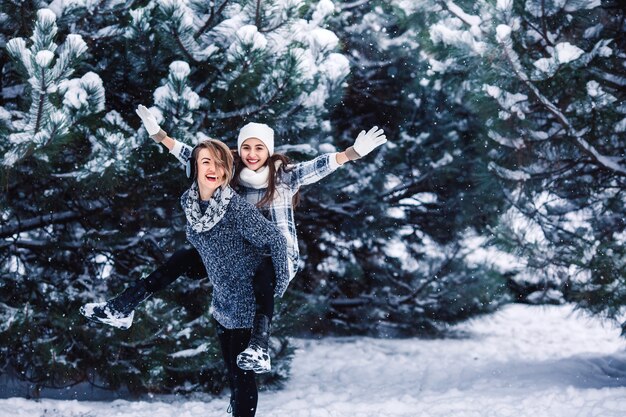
column 254, row 153
column 210, row 175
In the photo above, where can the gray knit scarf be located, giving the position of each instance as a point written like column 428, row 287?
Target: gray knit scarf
column 202, row 222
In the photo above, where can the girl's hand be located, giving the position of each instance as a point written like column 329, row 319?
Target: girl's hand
column 366, row 143
column 150, row 123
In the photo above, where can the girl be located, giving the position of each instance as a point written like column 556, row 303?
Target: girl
column 264, row 179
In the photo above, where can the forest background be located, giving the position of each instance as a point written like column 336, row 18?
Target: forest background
column 503, row 179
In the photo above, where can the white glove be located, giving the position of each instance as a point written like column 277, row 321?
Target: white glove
column 150, row 123
column 366, row 142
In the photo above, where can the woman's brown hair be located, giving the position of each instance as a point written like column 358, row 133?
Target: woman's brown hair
column 271, row 162
column 223, row 158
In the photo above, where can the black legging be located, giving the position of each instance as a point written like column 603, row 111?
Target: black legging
column 188, row 262
column 243, row 391
column 244, row 394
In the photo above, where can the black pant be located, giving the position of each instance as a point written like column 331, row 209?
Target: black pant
column 243, row 390
column 244, row 394
column 188, row 262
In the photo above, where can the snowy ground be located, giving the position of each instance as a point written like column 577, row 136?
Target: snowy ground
column 522, row 361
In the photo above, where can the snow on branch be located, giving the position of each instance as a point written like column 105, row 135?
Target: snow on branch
column 181, row 23
column 607, row 162
column 37, row 222
column 515, row 143
column 450, row 32
column 507, row 173
column 458, row 12
column 47, row 72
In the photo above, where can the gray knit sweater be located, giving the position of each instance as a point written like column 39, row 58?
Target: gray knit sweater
column 231, row 252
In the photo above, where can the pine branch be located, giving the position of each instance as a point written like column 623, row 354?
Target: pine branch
column 353, row 5
column 257, row 15
column 209, row 22
column 47, row 219
column 433, row 277
column 38, row 244
column 459, row 16
column 40, row 103
column 542, row 34
column 543, row 219
column 350, row 302
column 364, row 299
column 349, row 209
column 581, row 143
column 273, row 28
column 407, row 190
column 544, row 26
column 182, row 47
column 245, row 111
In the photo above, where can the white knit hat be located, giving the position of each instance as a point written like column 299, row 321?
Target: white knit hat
column 261, row 131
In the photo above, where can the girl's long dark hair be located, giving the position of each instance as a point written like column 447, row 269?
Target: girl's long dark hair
column 274, row 174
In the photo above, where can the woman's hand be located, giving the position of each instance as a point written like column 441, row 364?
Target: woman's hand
column 150, row 123
column 366, row 142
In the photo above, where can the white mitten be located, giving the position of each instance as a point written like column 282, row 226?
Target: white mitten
column 150, row 123
column 366, row 143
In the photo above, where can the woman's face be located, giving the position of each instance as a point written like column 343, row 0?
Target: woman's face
column 254, row 153
column 210, row 175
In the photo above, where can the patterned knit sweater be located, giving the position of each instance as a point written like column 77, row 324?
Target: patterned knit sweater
column 231, row 252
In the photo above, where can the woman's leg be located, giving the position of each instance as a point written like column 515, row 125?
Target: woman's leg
column 119, row 311
column 244, row 393
column 224, row 337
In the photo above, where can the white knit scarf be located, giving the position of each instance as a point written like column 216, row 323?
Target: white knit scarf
column 255, row 179
column 203, row 222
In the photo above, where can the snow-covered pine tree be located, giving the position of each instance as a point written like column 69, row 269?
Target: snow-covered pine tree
column 262, row 61
column 397, row 230
column 93, row 207
column 44, row 107
column 45, row 122
column 548, row 82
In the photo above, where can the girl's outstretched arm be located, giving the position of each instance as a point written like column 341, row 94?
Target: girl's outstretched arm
column 314, row 170
column 365, row 143
column 181, row 151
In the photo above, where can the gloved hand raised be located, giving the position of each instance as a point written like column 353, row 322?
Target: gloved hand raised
column 150, row 123
column 366, row 142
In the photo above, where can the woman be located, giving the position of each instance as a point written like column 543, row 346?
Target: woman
column 264, row 179
column 232, row 238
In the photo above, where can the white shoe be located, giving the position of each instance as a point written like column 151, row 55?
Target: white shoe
column 102, row 313
column 256, row 359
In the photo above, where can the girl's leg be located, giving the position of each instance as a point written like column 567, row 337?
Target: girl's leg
column 244, row 393
column 182, row 262
column 263, row 283
column 119, row 311
column 256, row 356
